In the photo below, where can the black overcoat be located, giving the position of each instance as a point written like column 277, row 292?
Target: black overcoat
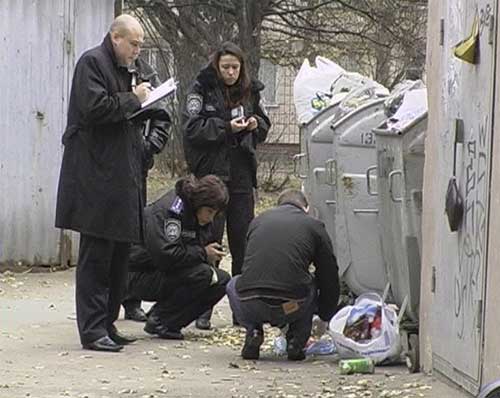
column 100, row 180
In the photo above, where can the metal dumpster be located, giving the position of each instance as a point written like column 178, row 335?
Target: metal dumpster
column 400, row 168
column 304, row 163
column 357, row 241
column 318, row 139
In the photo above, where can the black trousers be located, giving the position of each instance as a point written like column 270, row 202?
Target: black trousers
column 180, row 299
column 101, row 277
column 254, row 313
column 238, row 216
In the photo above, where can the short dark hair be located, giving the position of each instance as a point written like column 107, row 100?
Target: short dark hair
column 293, row 196
column 207, row 191
column 244, row 82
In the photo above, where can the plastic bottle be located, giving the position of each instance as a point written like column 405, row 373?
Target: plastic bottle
column 279, row 346
column 321, row 347
column 359, row 365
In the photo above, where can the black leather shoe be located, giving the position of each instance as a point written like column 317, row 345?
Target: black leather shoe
column 103, row 344
column 152, row 324
column 120, row 338
column 253, row 341
column 136, row 314
column 203, row 324
column 163, row 332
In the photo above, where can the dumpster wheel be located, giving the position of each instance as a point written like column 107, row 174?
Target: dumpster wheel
column 413, row 354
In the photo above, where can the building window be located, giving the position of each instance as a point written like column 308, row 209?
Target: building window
column 267, row 74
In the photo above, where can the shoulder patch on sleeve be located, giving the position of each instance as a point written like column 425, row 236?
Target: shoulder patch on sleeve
column 194, row 103
column 173, row 229
column 177, row 206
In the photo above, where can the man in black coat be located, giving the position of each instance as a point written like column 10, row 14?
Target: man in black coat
column 100, row 183
column 174, row 267
column 276, row 286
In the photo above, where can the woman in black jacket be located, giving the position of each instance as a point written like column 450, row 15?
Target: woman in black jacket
column 223, row 121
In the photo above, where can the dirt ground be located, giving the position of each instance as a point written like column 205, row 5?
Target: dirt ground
column 40, row 356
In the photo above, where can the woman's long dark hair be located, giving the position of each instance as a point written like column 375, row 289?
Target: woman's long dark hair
column 208, row 191
column 243, row 83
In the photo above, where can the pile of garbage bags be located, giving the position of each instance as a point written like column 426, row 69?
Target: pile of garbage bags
column 318, row 87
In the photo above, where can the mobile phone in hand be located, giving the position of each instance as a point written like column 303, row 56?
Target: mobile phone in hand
column 238, row 113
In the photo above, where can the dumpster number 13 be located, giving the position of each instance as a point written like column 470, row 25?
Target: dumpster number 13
column 367, row 139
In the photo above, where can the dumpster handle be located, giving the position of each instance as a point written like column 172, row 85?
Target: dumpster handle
column 391, row 186
column 365, row 211
column 368, row 181
column 296, row 170
column 331, row 175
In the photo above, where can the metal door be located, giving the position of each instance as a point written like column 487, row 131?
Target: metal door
column 467, row 101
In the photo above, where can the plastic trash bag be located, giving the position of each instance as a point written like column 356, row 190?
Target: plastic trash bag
column 318, row 87
column 394, row 101
column 323, row 346
column 381, row 346
column 311, row 88
column 320, row 343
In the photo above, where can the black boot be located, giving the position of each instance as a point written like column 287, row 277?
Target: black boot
column 155, row 327
column 295, row 351
column 203, row 321
column 253, row 341
column 133, row 311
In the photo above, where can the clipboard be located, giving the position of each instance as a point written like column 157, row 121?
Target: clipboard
column 163, row 90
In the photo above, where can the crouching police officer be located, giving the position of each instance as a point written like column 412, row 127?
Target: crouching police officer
column 276, row 286
column 174, row 268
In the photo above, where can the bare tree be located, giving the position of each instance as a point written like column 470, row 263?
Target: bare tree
column 379, row 38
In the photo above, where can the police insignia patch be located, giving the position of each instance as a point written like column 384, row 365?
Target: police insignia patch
column 194, row 104
column 172, row 229
column 177, row 205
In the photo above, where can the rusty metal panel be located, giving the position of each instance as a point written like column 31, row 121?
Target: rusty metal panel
column 34, row 91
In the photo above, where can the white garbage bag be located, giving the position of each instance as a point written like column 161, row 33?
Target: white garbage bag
column 311, row 88
column 379, row 343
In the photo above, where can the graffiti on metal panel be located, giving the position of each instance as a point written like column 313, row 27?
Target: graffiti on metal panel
column 473, row 234
column 485, row 18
